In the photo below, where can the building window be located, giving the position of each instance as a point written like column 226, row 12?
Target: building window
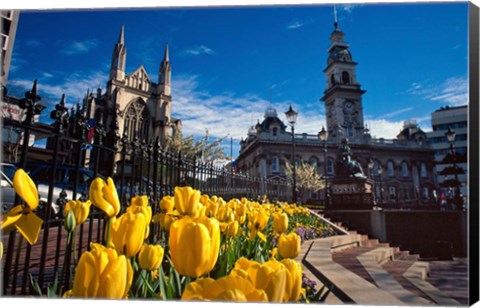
column 425, row 193
column 404, row 169
column 345, row 77
column 392, row 192
column 423, row 170
column 312, row 161
column 390, row 170
column 275, row 164
column 350, row 130
column 332, row 79
column 375, row 168
column 274, row 131
column 330, row 169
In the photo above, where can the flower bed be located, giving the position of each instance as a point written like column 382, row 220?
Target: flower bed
column 198, row 247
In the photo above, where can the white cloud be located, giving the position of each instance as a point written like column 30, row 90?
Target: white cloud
column 198, row 50
column 453, row 91
column 74, row 86
column 397, row 112
column 229, row 114
column 295, row 25
column 382, row 128
column 77, row 47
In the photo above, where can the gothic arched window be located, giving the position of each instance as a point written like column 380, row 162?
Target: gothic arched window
column 137, row 120
column 345, row 77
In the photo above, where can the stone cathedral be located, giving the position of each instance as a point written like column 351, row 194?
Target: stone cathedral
column 141, row 106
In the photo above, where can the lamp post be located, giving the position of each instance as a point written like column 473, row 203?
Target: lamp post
column 457, row 199
column 370, row 165
column 292, row 118
column 380, row 171
column 323, row 135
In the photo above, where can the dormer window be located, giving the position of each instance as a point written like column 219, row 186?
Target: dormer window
column 274, row 131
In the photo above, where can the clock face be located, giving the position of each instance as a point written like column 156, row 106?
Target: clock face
column 348, row 107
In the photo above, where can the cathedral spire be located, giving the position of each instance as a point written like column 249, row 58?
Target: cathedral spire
column 119, row 55
column 166, row 57
column 121, row 37
column 165, row 73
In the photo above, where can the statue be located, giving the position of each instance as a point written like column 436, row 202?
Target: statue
column 347, row 167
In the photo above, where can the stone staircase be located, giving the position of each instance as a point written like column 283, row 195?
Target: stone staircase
column 364, row 271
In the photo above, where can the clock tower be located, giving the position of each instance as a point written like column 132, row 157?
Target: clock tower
column 343, row 95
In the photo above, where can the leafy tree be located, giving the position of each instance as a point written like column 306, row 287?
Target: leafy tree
column 207, row 149
column 306, row 177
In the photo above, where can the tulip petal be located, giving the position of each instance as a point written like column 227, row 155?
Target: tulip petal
column 10, row 218
column 25, row 188
column 29, row 226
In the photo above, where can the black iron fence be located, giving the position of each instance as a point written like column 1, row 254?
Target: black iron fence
column 138, row 167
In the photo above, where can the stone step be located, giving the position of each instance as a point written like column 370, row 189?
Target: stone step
column 372, row 260
column 348, row 286
column 417, row 274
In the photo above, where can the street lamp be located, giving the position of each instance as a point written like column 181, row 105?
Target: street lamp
column 450, row 134
column 323, row 135
column 292, row 118
column 380, row 170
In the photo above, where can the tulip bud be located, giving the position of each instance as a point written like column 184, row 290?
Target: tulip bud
column 289, row 245
column 167, row 204
column 70, row 222
column 150, row 257
column 280, row 222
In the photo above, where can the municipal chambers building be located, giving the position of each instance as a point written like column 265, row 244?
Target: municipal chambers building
column 401, row 169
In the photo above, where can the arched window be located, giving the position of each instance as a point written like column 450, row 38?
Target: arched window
column 330, row 169
column 274, row 131
column 390, row 170
column 137, row 120
column 345, row 77
column 275, row 164
column 350, row 130
column 312, row 161
column 375, row 168
column 404, row 169
column 423, row 170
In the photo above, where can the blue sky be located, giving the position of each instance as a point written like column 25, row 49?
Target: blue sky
column 230, row 64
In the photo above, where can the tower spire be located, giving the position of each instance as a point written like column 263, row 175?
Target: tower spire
column 121, row 39
column 335, row 23
column 166, row 57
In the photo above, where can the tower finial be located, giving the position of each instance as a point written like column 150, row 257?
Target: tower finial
column 166, row 57
column 335, row 24
column 121, row 36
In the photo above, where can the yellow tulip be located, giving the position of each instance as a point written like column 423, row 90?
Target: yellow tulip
column 280, row 222
column 128, row 233
column 194, row 245
column 80, row 210
column 187, row 201
column 139, row 204
column 150, row 257
column 228, row 288
column 102, row 273
column 21, row 217
column 270, row 276
column 289, row 245
column 104, row 196
column 294, row 280
column 167, row 204
column 232, row 229
column 257, row 221
column 1, row 250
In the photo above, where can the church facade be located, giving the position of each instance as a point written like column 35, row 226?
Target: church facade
column 402, row 170
column 133, row 105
